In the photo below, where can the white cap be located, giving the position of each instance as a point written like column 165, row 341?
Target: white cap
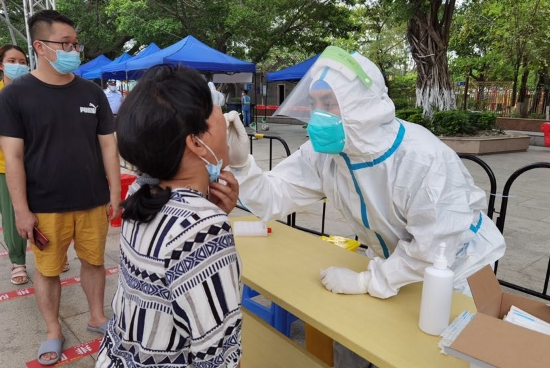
column 440, row 261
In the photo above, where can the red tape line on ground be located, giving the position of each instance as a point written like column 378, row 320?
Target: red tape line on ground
column 10, row 295
column 5, row 252
column 72, row 354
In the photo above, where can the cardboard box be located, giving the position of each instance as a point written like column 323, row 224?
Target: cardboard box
column 488, row 341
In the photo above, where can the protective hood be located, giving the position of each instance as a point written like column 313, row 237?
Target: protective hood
column 367, row 112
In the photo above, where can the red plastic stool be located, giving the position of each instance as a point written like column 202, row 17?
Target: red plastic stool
column 125, row 181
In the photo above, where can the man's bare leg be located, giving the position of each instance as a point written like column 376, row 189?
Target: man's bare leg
column 92, row 279
column 48, row 295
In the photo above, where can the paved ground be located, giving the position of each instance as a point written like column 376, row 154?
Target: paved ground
column 527, row 231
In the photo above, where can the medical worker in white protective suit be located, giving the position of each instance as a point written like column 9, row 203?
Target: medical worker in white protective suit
column 399, row 187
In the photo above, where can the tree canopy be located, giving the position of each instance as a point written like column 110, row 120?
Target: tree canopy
column 441, row 41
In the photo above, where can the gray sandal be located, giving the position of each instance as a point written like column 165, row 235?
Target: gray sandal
column 99, row 329
column 50, row 346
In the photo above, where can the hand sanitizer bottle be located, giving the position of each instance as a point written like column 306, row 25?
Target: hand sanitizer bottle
column 437, row 295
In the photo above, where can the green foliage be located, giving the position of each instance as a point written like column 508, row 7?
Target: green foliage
column 537, row 116
column 403, row 103
column 405, row 114
column 414, row 115
column 452, row 122
column 482, row 120
column 96, row 29
column 247, row 29
column 402, row 91
column 459, row 122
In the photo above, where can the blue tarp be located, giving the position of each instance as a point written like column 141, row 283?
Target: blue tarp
column 295, row 72
column 118, row 71
column 96, row 73
column 195, row 54
column 93, row 64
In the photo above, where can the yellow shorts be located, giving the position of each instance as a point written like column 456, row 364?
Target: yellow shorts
column 88, row 229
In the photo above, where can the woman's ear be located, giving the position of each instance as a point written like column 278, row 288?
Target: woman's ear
column 195, row 146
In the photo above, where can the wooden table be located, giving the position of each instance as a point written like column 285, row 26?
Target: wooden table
column 265, row 347
column 284, row 267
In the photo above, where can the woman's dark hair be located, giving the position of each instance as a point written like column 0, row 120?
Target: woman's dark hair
column 7, row 47
column 168, row 104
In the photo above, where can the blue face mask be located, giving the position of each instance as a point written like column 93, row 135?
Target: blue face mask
column 213, row 170
column 66, row 62
column 14, row 71
column 326, row 132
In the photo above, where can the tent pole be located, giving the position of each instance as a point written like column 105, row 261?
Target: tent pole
column 266, row 94
column 256, row 100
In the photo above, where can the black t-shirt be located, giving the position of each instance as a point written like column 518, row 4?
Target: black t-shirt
column 59, row 125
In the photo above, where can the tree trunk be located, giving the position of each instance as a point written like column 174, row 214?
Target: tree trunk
column 536, row 107
column 429, row 36
column 515, row 85
column 523, row 99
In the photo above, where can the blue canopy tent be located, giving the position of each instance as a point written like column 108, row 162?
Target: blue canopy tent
column 195, row 54
column 292, row 73
column 96, row 73
column 93, row 64
column 118, row 71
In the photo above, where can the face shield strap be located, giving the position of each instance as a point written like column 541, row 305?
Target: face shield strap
column 341, row 61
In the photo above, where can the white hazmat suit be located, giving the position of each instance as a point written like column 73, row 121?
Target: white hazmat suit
column 399, row 187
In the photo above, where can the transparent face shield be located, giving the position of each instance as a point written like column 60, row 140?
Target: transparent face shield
column 314, row 91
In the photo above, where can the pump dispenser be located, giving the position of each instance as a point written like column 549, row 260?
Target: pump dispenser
column 437, row 295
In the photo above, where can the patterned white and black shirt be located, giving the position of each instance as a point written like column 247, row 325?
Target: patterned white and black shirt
column 178, row 298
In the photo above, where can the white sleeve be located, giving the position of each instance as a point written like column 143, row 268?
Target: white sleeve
column 292, row 184
column 437, row 208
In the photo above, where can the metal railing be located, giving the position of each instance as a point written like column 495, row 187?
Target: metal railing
column 500, row 224
column 502, row 216
column 492, row 181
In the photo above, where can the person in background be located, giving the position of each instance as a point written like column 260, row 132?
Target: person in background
column 13, row 63
column 400, row 188
column 217, row 97
column 114, row 96
column 245, row 107
column 62, row 170
column 178, row 297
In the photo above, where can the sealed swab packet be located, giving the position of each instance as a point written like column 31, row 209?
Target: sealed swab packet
column 454, row 329
column 250, row 228
column 524, row 319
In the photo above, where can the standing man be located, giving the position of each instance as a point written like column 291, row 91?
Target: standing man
column 245, row 103
column 57, row 137
column 113, row 96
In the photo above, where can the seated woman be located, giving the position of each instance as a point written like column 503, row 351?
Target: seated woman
column 178, row 297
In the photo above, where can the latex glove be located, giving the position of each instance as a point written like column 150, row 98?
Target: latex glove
column 237, row 140
column 344, row 281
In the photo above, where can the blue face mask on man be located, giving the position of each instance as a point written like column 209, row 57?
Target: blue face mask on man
column 326, row 132
column 14, row 71
column 66, row 62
